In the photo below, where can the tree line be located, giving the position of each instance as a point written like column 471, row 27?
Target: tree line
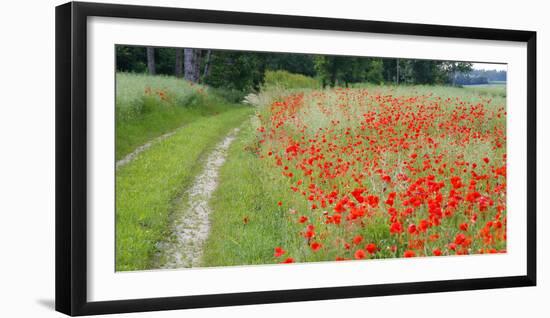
column 477, row 77
column 244, row 71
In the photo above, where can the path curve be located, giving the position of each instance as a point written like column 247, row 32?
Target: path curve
column 192, row 226
column 131, row 156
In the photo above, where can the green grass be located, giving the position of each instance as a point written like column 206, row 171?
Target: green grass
column 245, row 227
column 148, row 186
column 149, row 106
column 491, row 90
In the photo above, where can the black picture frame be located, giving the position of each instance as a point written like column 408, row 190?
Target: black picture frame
column 71, row 157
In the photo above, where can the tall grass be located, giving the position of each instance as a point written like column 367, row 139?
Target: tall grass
column 246, row 223
column 467, row 92
column 138, row 94
column 149, row 106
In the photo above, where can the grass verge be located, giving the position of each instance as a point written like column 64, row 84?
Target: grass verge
column 244, row 225
column 130, row 135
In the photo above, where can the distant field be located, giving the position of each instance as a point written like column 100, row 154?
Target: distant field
column 491, row 84
column 498, row 89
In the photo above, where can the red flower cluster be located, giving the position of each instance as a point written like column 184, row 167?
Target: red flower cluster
column 375, row 175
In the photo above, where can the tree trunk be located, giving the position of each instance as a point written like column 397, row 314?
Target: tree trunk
column 455, row 73
column 333, row 78
column 197, row 68
column 191, row 64
column 207, row 63
column 397, row 68
column 151, row 60
column 178, row 70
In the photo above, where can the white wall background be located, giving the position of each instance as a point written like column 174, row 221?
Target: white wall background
column 27, row 158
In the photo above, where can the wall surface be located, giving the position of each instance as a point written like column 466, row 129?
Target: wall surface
column 27, row 159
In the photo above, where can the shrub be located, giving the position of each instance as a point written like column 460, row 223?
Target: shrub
column 286, row 80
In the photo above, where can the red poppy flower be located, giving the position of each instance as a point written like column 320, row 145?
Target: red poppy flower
column 460, row 238
column 424, row 225
column 371, row 248
column 315, row 246
column 396, row 228
column 279, row 251
column 359, row 254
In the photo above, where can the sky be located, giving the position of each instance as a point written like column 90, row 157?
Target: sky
column 489, row 66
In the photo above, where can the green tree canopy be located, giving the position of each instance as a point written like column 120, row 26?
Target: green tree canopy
column 245, row 71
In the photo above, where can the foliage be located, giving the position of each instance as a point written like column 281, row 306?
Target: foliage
column 291, row 62
column 131, row 59
column 286, row 80
column 491, row 75
column 235, row 70
column 375, row 72
column 338, row 70
column 245, row 71
column 478, row 77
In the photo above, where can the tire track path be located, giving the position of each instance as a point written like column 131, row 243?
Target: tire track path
column 191, row 227
column 131, row 156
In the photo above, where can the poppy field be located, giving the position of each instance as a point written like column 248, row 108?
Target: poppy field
column 363, row 173
column 252, row 158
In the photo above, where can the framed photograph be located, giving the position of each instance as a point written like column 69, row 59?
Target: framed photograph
column 208, row 158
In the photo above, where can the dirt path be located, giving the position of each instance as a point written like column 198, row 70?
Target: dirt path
column 192, row 224
column 131, row 156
